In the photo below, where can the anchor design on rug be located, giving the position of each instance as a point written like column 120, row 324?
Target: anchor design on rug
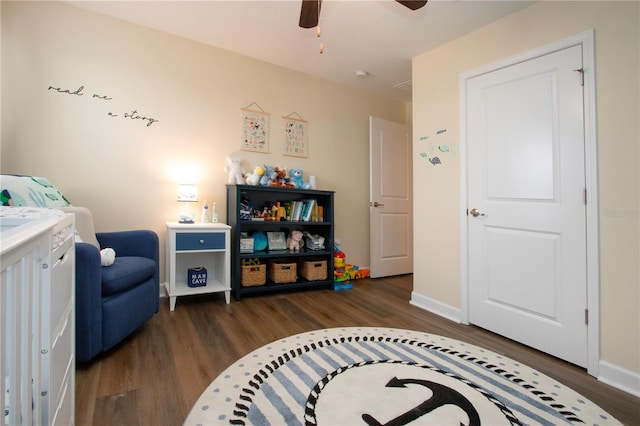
column 442, row 395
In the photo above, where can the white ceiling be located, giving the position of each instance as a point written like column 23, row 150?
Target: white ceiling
column 376, row 36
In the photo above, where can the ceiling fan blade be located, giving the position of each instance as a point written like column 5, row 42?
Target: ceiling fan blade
column 412, row 4
column 310, row 13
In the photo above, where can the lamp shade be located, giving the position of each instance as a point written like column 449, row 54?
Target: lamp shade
column 187, row 192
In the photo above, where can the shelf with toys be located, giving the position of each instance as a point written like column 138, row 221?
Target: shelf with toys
column 281, row 238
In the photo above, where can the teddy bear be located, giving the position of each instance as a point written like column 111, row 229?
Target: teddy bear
column 295, row 241
column 254, row 178
column 281, row 180
column 295, row 177
column 235, row 170
column 268, row 176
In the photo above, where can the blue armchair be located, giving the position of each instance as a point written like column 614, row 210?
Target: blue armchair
column 111, row 301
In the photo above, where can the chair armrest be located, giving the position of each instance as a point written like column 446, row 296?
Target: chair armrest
column 88, row 302
column 140, row 243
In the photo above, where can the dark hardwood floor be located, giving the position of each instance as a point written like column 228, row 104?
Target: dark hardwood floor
column 155, row 376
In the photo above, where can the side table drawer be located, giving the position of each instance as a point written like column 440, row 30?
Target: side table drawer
column 200, row 241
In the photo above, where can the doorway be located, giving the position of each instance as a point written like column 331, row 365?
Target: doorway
column 390, row 203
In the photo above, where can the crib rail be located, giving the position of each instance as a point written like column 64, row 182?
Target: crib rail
column 19, row 315
column 27, row 249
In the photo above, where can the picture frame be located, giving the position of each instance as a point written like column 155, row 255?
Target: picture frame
column 276, row 241
column 296, row 137
column 255, row 131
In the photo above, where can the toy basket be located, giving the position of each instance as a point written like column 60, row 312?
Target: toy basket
column 282, row 272
column 253, row 275
column 313, row 270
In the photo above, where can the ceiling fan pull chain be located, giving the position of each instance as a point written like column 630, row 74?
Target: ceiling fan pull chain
column 319, row 31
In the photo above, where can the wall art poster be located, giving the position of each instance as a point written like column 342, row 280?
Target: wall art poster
column 255, row 131
column 295, row 137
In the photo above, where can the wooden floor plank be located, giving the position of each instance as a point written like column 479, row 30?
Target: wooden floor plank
column 156, row 376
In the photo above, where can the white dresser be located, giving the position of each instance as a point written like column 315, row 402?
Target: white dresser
column 37, row 316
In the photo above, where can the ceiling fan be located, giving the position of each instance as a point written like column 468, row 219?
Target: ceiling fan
column 310, row 11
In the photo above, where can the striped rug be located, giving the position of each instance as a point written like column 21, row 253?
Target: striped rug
column 383, row 376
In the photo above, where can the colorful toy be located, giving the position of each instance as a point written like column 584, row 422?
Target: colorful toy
column 295, row 241
column 342, row 286
column 235, row 170
column 254, row 178
column 344, row 272
column 295, row 176
column 281, row 180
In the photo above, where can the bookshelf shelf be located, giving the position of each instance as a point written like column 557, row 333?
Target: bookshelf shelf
column 261, row 197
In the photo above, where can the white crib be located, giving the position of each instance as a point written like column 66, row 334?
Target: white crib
column 37, row 317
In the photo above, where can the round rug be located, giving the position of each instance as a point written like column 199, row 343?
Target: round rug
column 383, row 376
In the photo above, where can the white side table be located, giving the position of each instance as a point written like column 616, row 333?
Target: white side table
column 197, row 245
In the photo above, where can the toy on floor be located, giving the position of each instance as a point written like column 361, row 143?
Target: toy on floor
column 344, row 272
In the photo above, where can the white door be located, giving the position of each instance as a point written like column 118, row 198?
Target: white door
column 526, row 185
column 391, row 223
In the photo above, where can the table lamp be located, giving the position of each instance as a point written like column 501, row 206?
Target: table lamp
column 187, row 193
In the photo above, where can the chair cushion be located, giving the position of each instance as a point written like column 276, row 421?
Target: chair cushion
column 125, row 273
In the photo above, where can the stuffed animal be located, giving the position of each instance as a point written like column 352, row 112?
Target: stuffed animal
column 295, row 241
column 254, row 178
column 235, row 170
column 295, row 177
column 268, row 176
column 281, row 180
column 107, row 256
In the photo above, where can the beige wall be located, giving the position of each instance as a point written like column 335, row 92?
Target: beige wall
column 125, row 171
column 437, row 203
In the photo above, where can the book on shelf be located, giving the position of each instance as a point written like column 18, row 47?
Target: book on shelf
column 309, row 206
column 297, row 215
column 306, row 210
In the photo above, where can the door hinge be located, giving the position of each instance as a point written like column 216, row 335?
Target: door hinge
column 586, row 316
column 581, row 71
column 584, row 196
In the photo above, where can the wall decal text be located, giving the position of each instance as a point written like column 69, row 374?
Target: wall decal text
column 133, row 115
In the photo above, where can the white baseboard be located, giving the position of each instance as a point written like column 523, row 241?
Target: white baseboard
column 620, row 378
column 163, row 290
column 438, row 308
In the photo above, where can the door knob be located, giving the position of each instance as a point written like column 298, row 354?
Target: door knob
column 377, row 204
column 475, row 213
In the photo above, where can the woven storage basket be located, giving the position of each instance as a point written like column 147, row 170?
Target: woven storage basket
column 314, row 270
column 253, row 275
column 282, row 272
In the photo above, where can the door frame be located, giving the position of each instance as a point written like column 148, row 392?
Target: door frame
column 586, row 41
